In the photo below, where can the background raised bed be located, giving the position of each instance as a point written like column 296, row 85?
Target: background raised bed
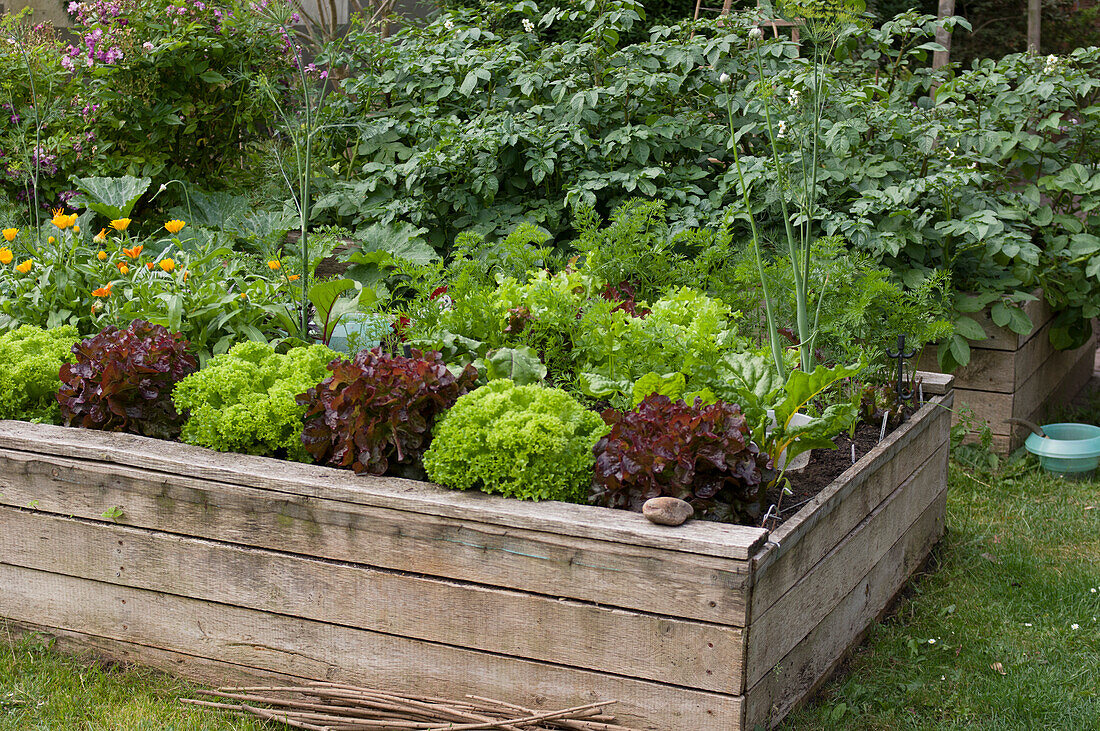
column 221, row 566
column 1018, row 376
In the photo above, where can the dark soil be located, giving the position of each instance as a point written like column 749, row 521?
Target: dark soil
column 825, row 466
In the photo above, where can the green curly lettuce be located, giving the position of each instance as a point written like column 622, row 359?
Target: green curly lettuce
column 527, row 442
column 243, row 401
column 30, row 360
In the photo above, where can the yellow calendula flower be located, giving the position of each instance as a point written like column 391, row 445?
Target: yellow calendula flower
column 76, row 229
column 101, row 236
column 167, row 264
column 51, row 240
column 274, row 265
column 25, row 266
column 63, row 221
column 10, row 234
column 120, row 224
column 124, row 269
column 5, row 256
column 102, row 256
column 175, row 226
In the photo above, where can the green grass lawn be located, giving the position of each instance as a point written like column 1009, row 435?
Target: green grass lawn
column 44, row 690
column 1002, row 634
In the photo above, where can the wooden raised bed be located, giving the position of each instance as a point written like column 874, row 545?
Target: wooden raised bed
column 225, row 567
column 1018, row 376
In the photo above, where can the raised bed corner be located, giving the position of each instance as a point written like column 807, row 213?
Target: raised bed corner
column 226, row 567
column 1018, row 376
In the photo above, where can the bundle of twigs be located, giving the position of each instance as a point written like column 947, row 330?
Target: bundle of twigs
column 339, row 707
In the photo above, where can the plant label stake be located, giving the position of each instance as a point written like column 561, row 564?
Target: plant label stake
column 904, row 394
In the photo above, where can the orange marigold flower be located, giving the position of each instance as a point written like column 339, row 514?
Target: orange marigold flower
column 5, row 256
column 25, row 266
column 102, row 291
column 102, row 255
column 51, row 240
column 175, row 226
column 167, row 264
column 10, row 234
column 134, row 251
column 293, row 277
column 186, row 274
column 244, row 295
column 149, row 265
column 63, row 221
column 101, row 236
column 120, row 224
column 76, row 229
column 123, row 269
column 274, row 265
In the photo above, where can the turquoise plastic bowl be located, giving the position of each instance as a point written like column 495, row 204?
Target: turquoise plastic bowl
column 1072, row 450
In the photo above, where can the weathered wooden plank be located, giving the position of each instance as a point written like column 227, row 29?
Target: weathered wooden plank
column 1058, row 377
column 793, row 616
column 670, row 650
column 934, row 383
column 870, row 480
column 1003, row 370
column 774, row 579
column 318, row 650
column 992, row 408
column 616, row 574
column 191, row 667
column 585, row 521
column 800, row 671
column 1058, row 380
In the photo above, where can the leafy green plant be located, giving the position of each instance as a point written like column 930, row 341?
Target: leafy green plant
column 486, row 124
column 685, row 332
column 374, row 414
column 770, row 404
column 244, row 401
column 527, row 442
column 212, row 296
column 30, row 360
column 112, row 198
column 172, row 86
column 122, row 380
column 701, row 453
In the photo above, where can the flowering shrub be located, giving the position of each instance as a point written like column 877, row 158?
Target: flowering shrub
column 244, row 400
column 30, row 359
column 699, row 453
column 375, row 413
column 527, row 442
column 163, row 89
column 122, row 380
column 172, row 80
column 50, row 155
